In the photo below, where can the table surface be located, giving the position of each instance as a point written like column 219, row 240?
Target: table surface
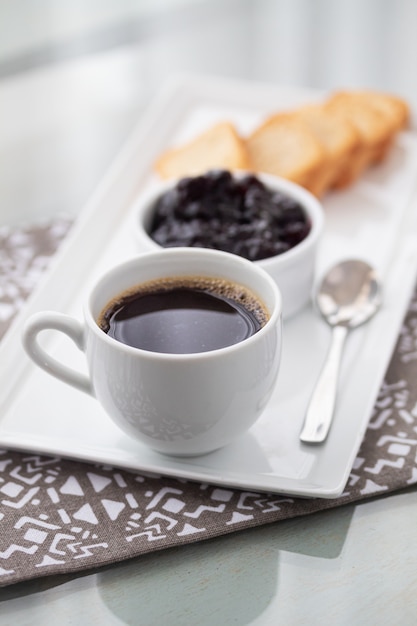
column 68, row 99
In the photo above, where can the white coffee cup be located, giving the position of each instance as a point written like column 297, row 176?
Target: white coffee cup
column 178, row 404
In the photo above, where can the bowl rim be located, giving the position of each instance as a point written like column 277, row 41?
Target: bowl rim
column 311, row 205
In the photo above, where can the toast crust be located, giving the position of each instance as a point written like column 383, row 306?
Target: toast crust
column 286, row 147
column 377, row 118
column 218, row 147
column 320, row 146
column 339, row 140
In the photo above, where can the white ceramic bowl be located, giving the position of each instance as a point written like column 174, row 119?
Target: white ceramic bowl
column 293, row 270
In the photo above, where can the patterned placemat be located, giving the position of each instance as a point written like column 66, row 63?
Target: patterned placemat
column 59, row 516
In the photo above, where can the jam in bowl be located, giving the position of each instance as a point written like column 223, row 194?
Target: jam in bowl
column 270, row 221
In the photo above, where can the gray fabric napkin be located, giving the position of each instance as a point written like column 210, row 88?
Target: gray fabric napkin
column 59, row 516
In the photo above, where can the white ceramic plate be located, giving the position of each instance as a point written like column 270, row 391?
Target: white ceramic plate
column 375, row 220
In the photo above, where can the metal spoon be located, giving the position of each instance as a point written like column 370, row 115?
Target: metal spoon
column 348, row 296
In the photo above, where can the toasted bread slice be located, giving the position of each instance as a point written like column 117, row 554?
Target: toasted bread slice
column 339, row 140
column 284, row 146
column 395, row 111
column 377, row 118
column 218, row 147
column 392, row 110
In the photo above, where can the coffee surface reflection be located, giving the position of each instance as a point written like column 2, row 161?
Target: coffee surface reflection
column 183, row 315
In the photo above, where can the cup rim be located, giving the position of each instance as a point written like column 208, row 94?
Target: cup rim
column 229, row 258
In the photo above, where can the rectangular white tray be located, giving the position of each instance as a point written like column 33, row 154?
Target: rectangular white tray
column 375, row 220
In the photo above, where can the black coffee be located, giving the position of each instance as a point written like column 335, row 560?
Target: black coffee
column 183, row 315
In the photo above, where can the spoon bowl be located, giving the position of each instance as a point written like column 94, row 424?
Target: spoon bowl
column 348, row 296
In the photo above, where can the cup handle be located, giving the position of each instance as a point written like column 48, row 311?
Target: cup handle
column 70, row 327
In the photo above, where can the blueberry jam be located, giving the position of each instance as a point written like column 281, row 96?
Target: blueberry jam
column 241, row 216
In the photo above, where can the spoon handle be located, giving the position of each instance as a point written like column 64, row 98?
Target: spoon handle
column 320, row 410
